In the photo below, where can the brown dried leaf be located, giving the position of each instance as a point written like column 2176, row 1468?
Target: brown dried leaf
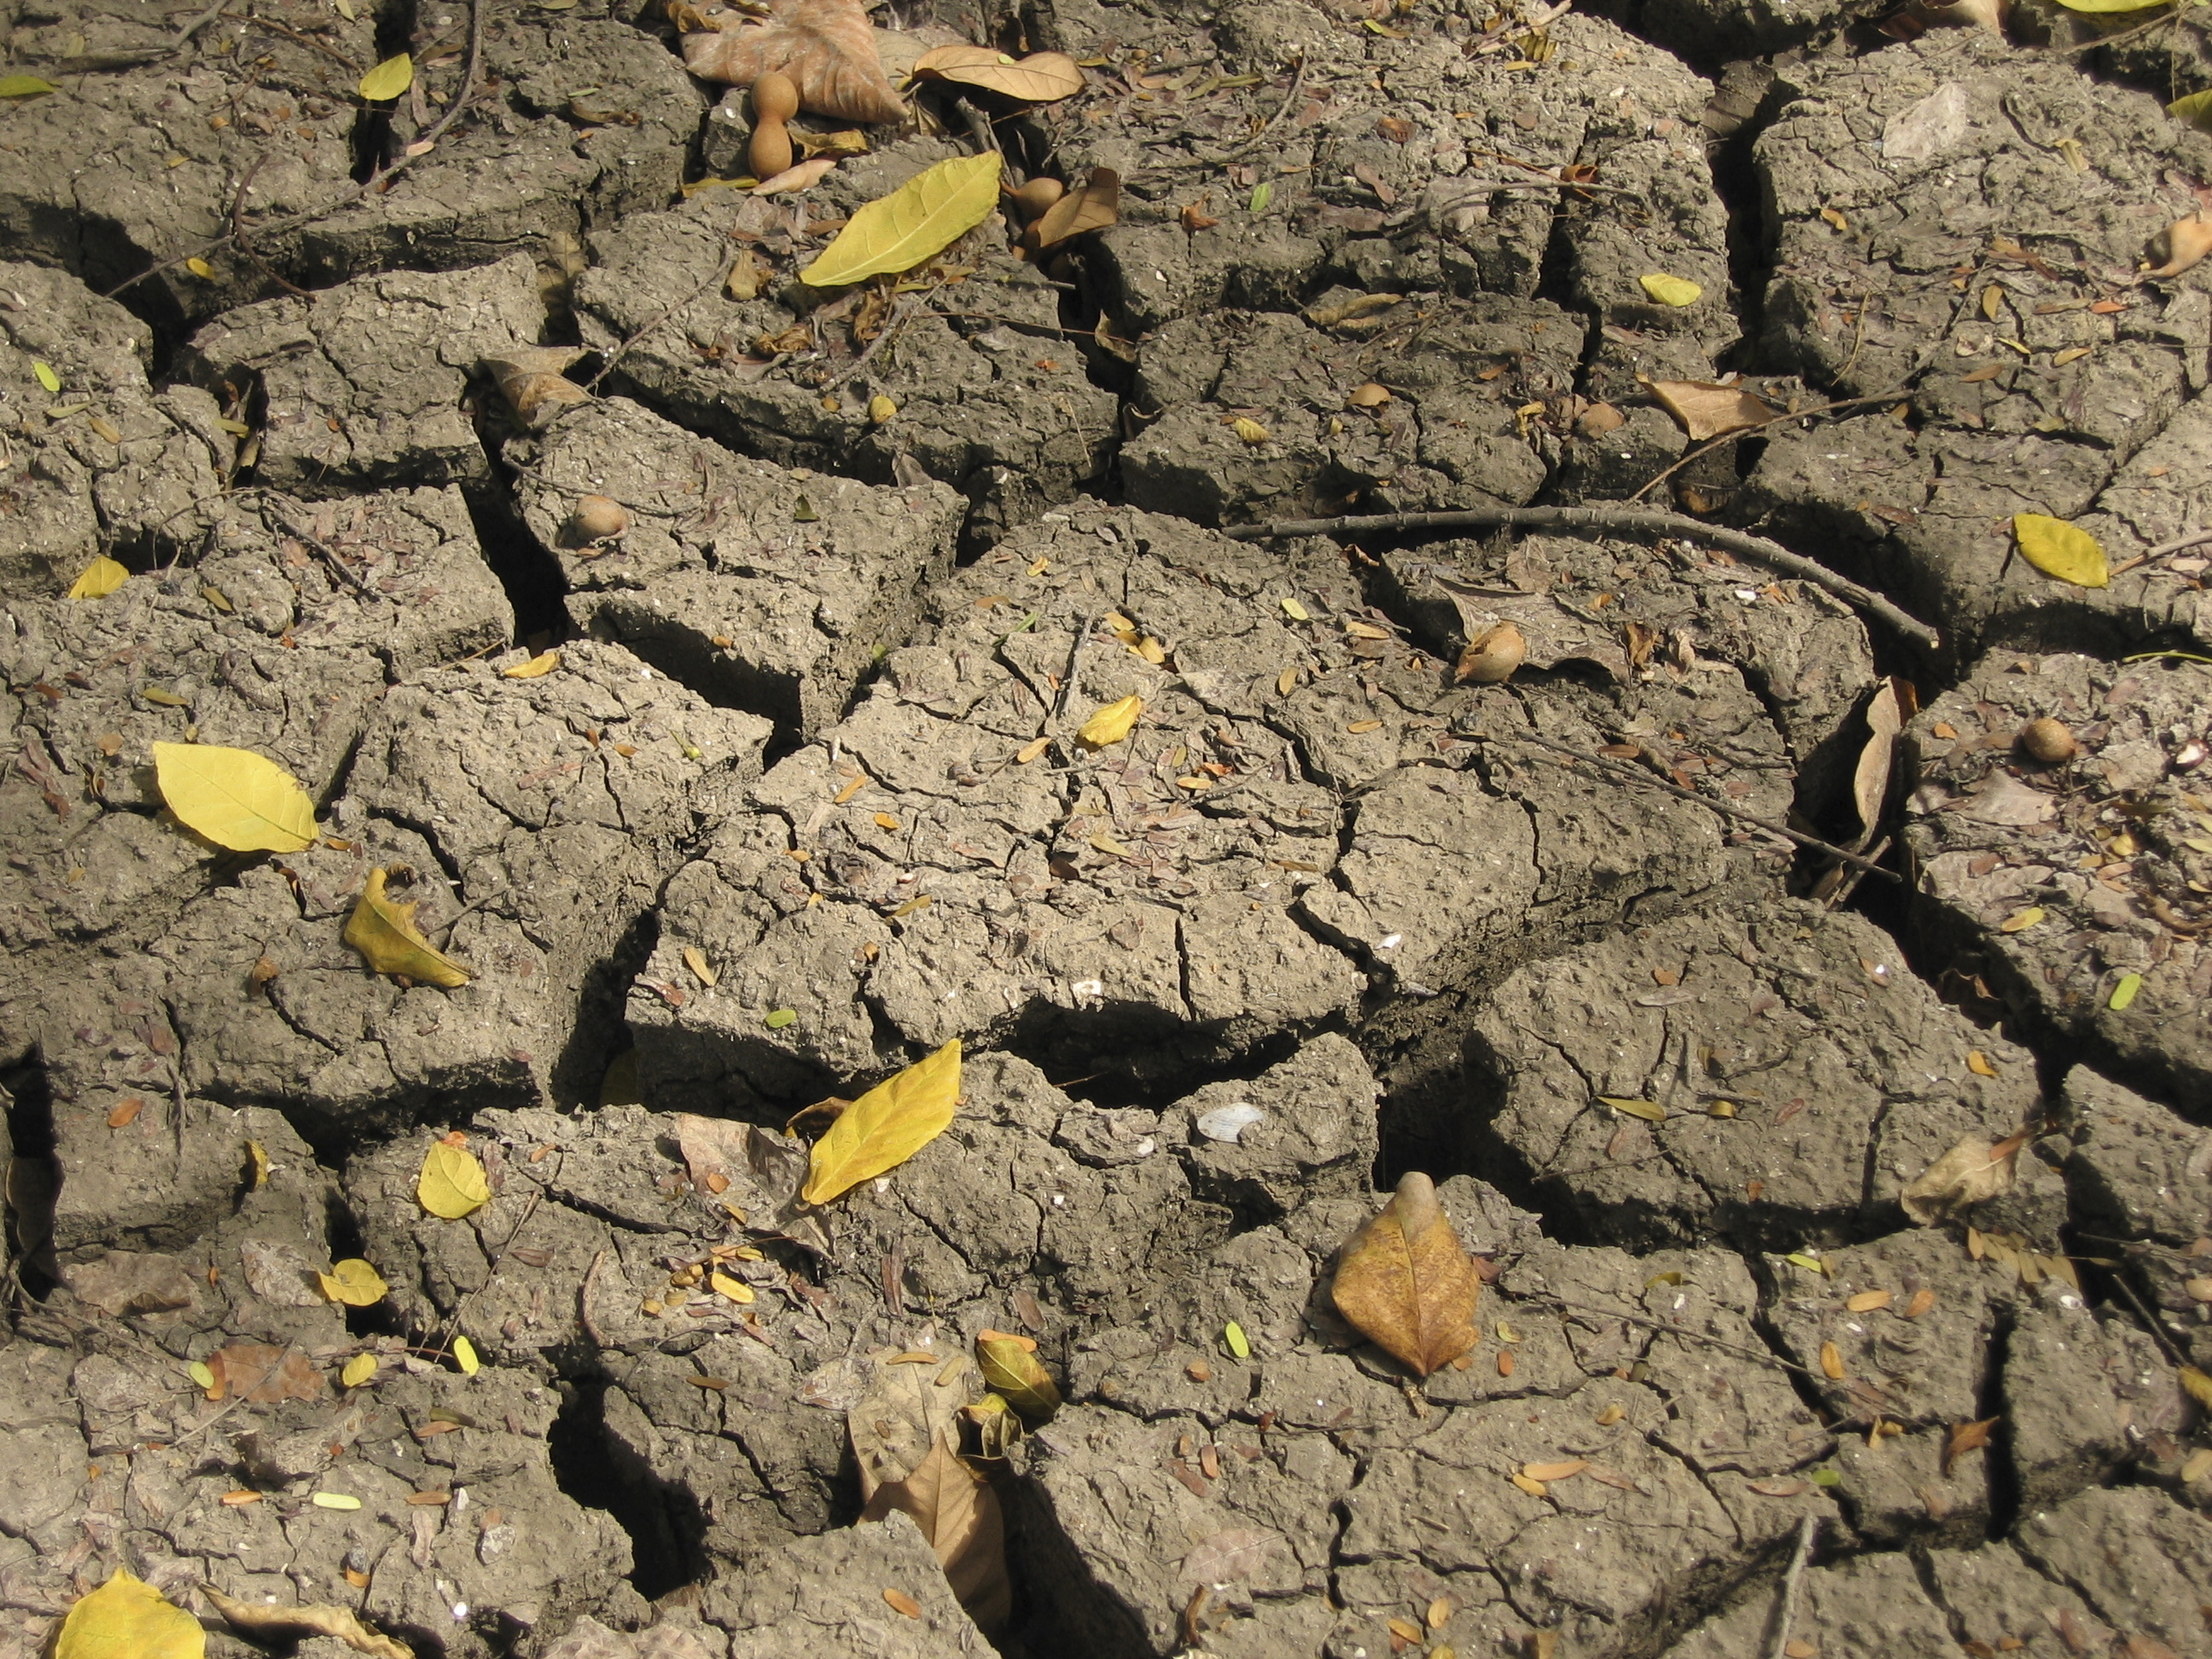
column 828, row 47
column 1967, row 1437
column 1094, row 207
column 1885, row 719
column 1405, row 1282
column 1970, row 1172
column 1042, row 77
column 1706, row 410
column 532, row 379
column 265, row 1374
column 958, row 1512
column 256, row 1619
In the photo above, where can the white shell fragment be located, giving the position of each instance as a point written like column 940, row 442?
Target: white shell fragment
column 1229, row 1122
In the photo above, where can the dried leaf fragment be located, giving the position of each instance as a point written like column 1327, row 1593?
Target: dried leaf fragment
column 452, row 1182
column 1869, row 1301
column 1966, row 1438
column 1970, row 1172
column 886, row 1126
column 258, row 1620
column 1405, row 1282
column 234, row 798
column 1095, row 206
column 827, row 47
column 1832, row 1362
column 1042, row 77
column 98, row 578
column 1707, row 410
column 383, row 930
column 127, row 1617
column 959, row 1514
column 264, row 1373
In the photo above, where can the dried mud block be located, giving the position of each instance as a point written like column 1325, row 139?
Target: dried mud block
column 535, row 819
column 2138, row 1175
column 262, row 644
column 42, row 1439
column 1992, row 1595
column 838, row 1588
column 592, row 118
column 1255, row 420
column 1712, row 30
column 1300, row 1130
column 134, row 165
column 2138, row 1558
column 2063, row 883
column 2083, row 1392
column 758, row 588
column 1869, row 1607
column 362, row 384
column 1394, row 191
column 103, row 460
column 1805, row 1120
column 990, row 397
column 1924, row 153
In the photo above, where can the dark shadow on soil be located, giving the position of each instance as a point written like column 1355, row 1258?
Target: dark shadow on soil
column 666, row 1529
column 34, row 1174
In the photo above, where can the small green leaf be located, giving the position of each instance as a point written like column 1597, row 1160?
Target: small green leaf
column 1239, row 1345
column 2195, row 109
column 1263, row 193
column 2125, row 992
column 779, row 1018
column 1650, row 1111
column 388, row 79
column 44, row 371
column 200, row 1374
column 1811, row 1264
column 25, row 86
column 1826, row 1478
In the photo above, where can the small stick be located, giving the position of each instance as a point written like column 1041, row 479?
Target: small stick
column 1297, row 85
column 1635, row 775
column 667, row 311
column 1808, row 1528
column 1591, row 522
column 1735, row 432
column 2194, row 539
column 1665, row 1329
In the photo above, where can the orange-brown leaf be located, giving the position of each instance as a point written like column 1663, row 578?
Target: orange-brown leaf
column 265, row 1374
column 1406, row 1283
column 958, row 1512
column 1967, row 1437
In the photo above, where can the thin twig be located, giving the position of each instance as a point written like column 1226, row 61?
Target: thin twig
column 1637, row 775
column 2194, row 539
column 1735, row 432
column 2119, row 40
column 1786, row 1611
column 94, row 63
column 902, row 308
column 1590, row 522
column 667, row 312
column 1297, row 85
column 1761, row 1355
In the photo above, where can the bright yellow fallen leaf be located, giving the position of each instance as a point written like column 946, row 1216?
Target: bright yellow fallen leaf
column 1650, row 1111
column 388, row 79
column 1111, row 723
column 358, row 1370
column 886, row 1126
column 2020, row 920
column 915, row 222
column 383, row 930
column 736, row 1289
column 1012, row 1370
column 544, row 663
column 451, row 1183
column 1671, row 290
column 2061, row 550
column 234, row 798
column 355, row 1283
column 127, row 1617
column 465, row 1356
column 98, row 578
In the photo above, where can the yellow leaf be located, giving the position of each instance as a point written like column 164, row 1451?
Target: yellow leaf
column 1406, row 1282
column 200, row 268
column 388, row 79
column 2199, row 1384
column 1030, row 751
column 465, row 1356
column 24, row 86
column 358, row 1370
column 2020, row 920
column 383, row 930
column 2110, row 5
column 260, row 1619
column 1011, row 1369
column 1533, row 1488
column 44, row 371
column 1239, row 1344
column 880, row 409
column 355, row 1283
column 1869, row 1301
column 2061, row 550
column 695, row 960
column 1671, row 290
column 1978, row 1063
column 334, row 1500
column 1111, row 723
column 451, row 1183
column 1565, row 1469
column 260, row 1154
column 2123, row 994
column 127, row 1617
column 1249, row 430
column 2195, row 109
column 736, row 1289
column 915, row 222
column 234, row 798
column 1042, row 77
column 1647, row 1110
column 201, row 1373
column 544, row 663
column 98, row 578
column 886, row 1126
column 1832, row 1362
column 1295, row 612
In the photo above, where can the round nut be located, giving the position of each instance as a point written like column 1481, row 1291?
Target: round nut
column 1032, row 199
column 770, row 151
column 1492, row 658
column 2047, row 742
column 599, row 519
column 775, row 97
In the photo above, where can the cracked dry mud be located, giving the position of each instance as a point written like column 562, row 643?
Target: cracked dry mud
column 804, row 799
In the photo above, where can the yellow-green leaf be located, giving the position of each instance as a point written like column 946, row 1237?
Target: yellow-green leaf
column 388, row 79
column 1011, row 1369
column 1650, row 1111
column 2020, row 920
column 2195, row 109
column 1112, row 723
column 2199, row 1384
column 383, row 930
column 451, row 1183
column 25, row 86
column 358, row 1370
column 2125, row 993
column 260, row 1154
column 2061, row 550
column 127, row 1617
column 544, row 663
column 44, row 371
column 2110, row 5
column 1296, row 611
column 98, row 578
column 1239, row 1344
column 915, row 222
column 201, row 1374
column 465, row 1356
column 355, row 1283
column 886, row 1126
column 334, row 1500
column 234, row 798
column 1671, row 290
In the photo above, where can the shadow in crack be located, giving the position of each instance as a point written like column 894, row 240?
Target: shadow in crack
column 667, row 1530
column 34, row 1173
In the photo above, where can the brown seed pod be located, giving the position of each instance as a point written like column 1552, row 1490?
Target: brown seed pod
column 1492, row 657
column 599, row 519
column 2047, row 742
column 2182, row 243
column 776, row 101
column 1031, row 200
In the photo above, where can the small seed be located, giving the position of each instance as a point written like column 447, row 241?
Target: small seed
column 600, row 518
column 1031, row 200
column 1492, row 658
column 2047, row 741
